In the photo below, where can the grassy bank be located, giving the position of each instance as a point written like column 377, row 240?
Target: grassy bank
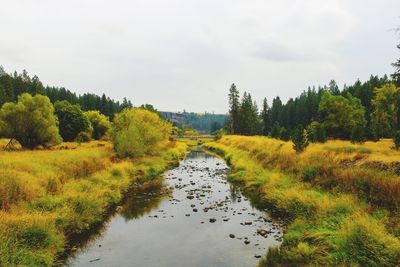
column 341, row 200
column 47, row 196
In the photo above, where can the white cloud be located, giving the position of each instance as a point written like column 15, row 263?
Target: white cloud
column 185, row 53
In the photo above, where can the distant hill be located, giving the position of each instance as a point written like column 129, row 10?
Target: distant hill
column 202, row 122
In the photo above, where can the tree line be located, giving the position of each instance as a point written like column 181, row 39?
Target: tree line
column 370, row 107
column 364, row 110
column 13, row 85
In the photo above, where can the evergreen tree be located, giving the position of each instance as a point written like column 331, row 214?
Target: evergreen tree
column 276, row 130
column 233, row 109
column 299, row 139
column 396, row 65
column 266, row 118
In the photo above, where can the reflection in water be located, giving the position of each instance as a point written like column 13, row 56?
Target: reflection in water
column 143, row 199
column 193, row 217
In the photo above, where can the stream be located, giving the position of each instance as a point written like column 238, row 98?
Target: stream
column 193, row 217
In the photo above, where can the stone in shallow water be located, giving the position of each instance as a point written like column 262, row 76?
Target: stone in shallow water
column 213, row 220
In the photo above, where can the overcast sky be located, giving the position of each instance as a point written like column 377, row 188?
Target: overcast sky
column 185, row 54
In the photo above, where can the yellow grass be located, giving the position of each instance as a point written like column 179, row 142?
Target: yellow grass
column 48, row 195
column 342, row 210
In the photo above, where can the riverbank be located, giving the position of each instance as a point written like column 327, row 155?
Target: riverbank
column 191, row 217
column 47, row 196
column 340, row 200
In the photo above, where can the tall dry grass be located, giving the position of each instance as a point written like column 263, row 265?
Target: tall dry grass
column 342, row 211
column 48, row 195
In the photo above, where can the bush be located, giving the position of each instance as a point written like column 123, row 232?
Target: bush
column 299, row 139
column 396, row 140
column 284, row 134
column 276, row 131
column 31, row 121
column 358, row 134
column 100, row 123
column 316, row 132
column 71, row 119
column 83, row 137
column 136, row 132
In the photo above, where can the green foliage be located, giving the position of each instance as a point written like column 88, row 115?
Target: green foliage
column 83, row 137
column 136, row 132
column 149, row 107
column 341, row 114
column 276, row 131
column 234, row 106
column 266, row 117
column 99, row 122
column 385, row 103
column 249, row 121
column 72, row 120
column 396, row 140
column 316, row 132
column 31, row 121
column 299, row 139
column 284, row 134
column 358, row 134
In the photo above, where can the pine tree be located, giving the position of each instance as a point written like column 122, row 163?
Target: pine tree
column 266, row 118
column 299, row 139
column 233, row 109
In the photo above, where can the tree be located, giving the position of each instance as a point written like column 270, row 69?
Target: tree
column 149, row 107
column 266, row 117
column 358, row 134
column 340, row 114
column 248, row 123
column 396, row 140
column 385, row 104
column 396, row 65
column 137, row 132
column 71, row 119
column 316, row 132
column 100, row 123
column 333, row 88
column 126, row 104
column 233, row 109
column 299, row 139
column 30, row 121
column 276, row 130
column 215, row 126
column 284, row 134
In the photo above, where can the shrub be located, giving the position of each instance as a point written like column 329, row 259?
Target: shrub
column 316, row 132
column 30, row 121
column 310, row 173
column 284, row 134
column 100, row 123
column 299, row 139
column 276, row 131
column 72, row 120
column 396, row 140
column 358, row 134
column 83, row 137
column 136, row 132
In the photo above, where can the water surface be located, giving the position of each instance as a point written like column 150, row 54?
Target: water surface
column 193, row 217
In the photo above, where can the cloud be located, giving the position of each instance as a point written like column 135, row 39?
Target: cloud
column 184, row 54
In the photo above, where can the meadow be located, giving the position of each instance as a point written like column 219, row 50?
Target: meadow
column 341, row 201
column 48, row 196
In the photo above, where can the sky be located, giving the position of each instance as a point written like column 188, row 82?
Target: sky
column 185, row 54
